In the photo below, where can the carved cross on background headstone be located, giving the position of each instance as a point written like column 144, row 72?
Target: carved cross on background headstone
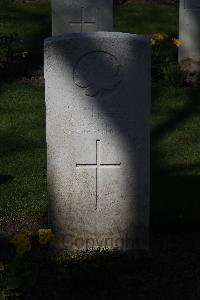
column 98, row 166
column 81, row 16
column 82, row 21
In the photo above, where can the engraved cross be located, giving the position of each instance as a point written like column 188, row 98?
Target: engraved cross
column 82, row 22
column 98, row 166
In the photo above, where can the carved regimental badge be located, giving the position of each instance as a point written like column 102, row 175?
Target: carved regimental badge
column 97, row 72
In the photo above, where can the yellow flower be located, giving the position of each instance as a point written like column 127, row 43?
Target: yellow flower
column 21, row 242
column 45, row 236
column 2, row 267
column 157, row 37
column 176, row 42
column 153, row 42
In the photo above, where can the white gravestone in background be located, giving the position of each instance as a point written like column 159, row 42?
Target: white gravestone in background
column 98, row 106
column 81, row 16
column 189, row 34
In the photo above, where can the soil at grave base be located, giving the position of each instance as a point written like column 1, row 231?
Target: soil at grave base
column 170, row 270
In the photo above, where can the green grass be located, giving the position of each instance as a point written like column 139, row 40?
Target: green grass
column 175, row 125
column 175, row 130
column 32, row 21
column 23, row 151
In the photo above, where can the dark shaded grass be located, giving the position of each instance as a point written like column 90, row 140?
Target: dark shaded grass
column 23, row 152
column 175, row 164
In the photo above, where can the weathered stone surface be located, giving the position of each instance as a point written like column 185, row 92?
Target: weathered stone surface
column 98, row 106
column 81, row 16
column 189, row 28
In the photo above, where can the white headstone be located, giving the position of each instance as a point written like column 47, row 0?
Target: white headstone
column 189, row 27
column 81, row 16
column 98, row 107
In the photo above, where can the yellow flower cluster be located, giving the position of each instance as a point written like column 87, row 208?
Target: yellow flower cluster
column 21, row 242
column 2, row 267
column 45, row 236
column 157, row 37
column 176, row 42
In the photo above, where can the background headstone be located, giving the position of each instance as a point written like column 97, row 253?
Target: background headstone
column 98, row 107
column 81, row 16
column 189, row 27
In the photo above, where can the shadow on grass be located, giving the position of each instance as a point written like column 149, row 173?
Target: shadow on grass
column 14, row 146
column 5, row 178
column 175, row 202
column 175, row 199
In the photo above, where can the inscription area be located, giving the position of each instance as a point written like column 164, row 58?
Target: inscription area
column 98, row 166
column 192, row 4
column 82, row 22
column 97, row 72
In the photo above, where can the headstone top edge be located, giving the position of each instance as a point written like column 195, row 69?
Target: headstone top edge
column 100, row 34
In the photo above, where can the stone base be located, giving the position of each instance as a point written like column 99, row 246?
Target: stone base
column 192, row 71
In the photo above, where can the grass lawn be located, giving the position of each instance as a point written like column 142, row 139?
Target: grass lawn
column 147, row 19
column 175, row 125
